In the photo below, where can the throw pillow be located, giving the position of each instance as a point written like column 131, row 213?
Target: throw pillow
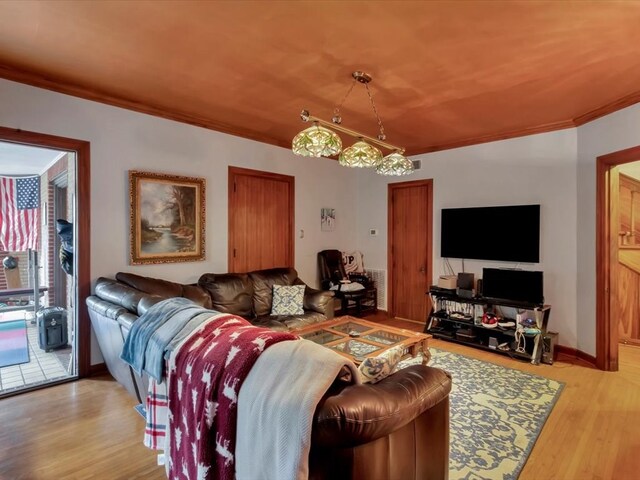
column 374, row 369
column 287, row 300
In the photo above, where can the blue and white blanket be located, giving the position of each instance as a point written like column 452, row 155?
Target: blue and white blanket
column 152, row 333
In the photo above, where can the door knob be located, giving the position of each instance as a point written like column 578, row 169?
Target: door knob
column 421, row 269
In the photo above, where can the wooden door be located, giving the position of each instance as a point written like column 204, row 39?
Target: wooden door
column 628, row 298
column 261, row 220
column 410, row 240
column 607, row 239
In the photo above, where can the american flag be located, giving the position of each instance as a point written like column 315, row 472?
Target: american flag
column 19, row 213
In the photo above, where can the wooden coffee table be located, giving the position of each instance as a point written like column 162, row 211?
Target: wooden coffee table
column 358, row 339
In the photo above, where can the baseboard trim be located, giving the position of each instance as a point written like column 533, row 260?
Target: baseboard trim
column 575, row 353
column 98, row 369
column 417, row 322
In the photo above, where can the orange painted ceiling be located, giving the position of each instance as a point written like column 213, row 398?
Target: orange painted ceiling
column 446, row 73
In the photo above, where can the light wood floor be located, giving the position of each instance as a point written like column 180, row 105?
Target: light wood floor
column 88, row 429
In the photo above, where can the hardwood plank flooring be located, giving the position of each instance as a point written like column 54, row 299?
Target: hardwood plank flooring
column 89, row 430
column 81, row 430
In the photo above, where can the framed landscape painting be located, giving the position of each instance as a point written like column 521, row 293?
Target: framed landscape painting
column 167, row 218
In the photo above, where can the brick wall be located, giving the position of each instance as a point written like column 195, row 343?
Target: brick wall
column 50, row 257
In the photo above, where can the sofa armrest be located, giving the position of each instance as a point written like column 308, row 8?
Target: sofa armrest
column 104, row 308
column 319, row 301
column 359, row 414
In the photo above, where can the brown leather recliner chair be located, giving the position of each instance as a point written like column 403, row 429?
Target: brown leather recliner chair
column 397, row 429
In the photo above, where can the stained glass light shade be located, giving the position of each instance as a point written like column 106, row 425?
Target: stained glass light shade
column 316, row 141
column 360, row 154
column 395, row 164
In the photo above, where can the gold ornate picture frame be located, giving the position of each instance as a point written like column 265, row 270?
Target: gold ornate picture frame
column 167, row 218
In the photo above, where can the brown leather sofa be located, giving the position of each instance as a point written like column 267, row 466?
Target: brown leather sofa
column 395, row 429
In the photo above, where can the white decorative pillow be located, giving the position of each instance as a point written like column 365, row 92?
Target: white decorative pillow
column 348, row 287
column 287, row 300
column 374, row 369
column 353, row 262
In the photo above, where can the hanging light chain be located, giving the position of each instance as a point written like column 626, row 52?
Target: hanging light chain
column 382, row 135
column 337, row 118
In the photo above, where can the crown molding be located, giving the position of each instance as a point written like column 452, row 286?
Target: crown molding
column 69, row 88
column 614, row 106
column 63, row 86
column 549, row 127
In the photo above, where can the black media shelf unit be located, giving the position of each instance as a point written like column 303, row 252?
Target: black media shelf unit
column 457, row 319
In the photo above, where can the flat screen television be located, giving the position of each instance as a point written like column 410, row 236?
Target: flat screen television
column 516, row 285
column 510, row 234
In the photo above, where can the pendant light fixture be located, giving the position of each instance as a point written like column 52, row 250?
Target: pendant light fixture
column 321, row 140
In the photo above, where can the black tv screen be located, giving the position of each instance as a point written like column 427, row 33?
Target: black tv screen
column 510, row 234
column 515, row 285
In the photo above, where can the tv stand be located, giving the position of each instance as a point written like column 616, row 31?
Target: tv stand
column 459, row 319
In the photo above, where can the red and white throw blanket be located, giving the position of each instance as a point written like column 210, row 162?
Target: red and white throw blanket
column 204, row 378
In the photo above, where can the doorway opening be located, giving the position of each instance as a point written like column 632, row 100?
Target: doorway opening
column 37, row 318
column 615, row 253
column 44, row 269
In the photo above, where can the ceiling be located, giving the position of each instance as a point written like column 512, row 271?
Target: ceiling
column 446, row 73
column 18, row 159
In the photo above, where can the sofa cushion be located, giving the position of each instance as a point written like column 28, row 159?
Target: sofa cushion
column 287, row 300
column 270, row 322
column 263, row 282
column 156, row 286
column 297, row 322
column 165, row 288
column 197, row 295
column 229, row 292
column 118, row 294
column 289, row 322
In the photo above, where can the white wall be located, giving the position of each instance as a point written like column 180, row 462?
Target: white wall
column 608, row 134
column 538, row 169
column 123, row 140
column 556, row 170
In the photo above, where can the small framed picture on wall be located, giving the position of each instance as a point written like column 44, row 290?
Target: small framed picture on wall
column 327, row 219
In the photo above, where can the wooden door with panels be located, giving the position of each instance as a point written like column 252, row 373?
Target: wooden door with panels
column 610, row 294
column 261, row 220
column 410, row 218
column 629, row 259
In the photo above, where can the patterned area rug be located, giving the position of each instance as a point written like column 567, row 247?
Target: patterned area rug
column 497, row 414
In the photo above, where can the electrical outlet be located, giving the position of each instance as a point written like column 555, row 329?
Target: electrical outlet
column 373, row 232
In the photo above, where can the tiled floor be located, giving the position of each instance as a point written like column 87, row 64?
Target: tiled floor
column 42, row 367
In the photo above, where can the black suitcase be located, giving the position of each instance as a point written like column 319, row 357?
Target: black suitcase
column 52, row 328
